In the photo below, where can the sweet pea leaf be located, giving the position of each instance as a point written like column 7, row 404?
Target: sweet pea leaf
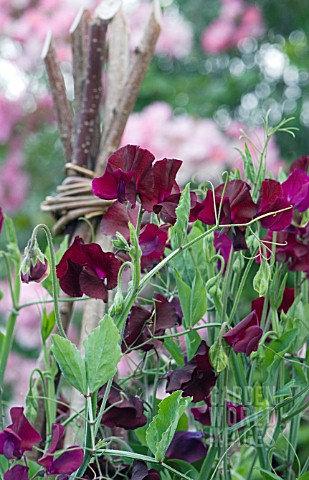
column 297, row 317
column 178, row 232
column 70, row 362
column 274, row 352
column 305, row 476
column 192, row 301
column 163, row 427
column 248, row 163
column 198, row 303
column 47, row 324
column 102, row 353
column 268, row 475
column 175, row 351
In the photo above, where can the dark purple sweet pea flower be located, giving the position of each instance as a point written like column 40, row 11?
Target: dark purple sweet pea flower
column 246, row 335
column 235, row 413
column 18, row 437
column 273, row 198
column 293, row 249
column 35, row 273
column 125, row 411
column 223, row 245
column 296, row 190
column 117, row 219
column 197, row 378
column 187, row 446
column 142, row 324
column 19, row 472
column 1, row 219
column 287, row 300
column 130, row 173
column 237, row 205
column 301, row 163
column 127, row 173
column 202, row 414
column 86, row 269
column 167, row 209
column 152, row 241
column 140, row 472
column 66, row 463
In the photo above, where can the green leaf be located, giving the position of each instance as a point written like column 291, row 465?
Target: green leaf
column 248, row 163
column 47, row 324
column 175, row 351
column 297, row 317
column 193, row 301
column 102, row 353
column 70, row 362
column 47, row 283
column 276, row 291
column 268, row 475
column 305, row 476
column 184, row 292
column 274, row 352
column 163, row 427
column 178, row 232
column 198, row 298
column 184, row 467
column 193, row 341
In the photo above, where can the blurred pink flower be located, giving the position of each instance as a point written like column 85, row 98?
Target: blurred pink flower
column 204, row 148
column 176, row 35
column 14, row 181
column 27, row 332
column 237, row 20
column 10, row 113
column 17, row 376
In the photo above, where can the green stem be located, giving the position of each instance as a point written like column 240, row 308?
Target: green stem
column 240, row 288
column 53, row 272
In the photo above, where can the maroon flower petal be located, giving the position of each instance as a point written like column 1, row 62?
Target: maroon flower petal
column 19, row 472
column 87, row 269
column 250, row 341
column 125, row 411
column 296, row 190
column 68, row 462
column 140, row 472
column 235, row 413
column 196, row 378
column 152, row 241
column 238, row 332
column 223, row 245
column 117, row 219
column 47, row 460
column 91, row 285
column 272, row 199
column 301, row 163
column 242, row 207
column 202, row 414
column 187, row 446
column 37, row 273
column 20, row 425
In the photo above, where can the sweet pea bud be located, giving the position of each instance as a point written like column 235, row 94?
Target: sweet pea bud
column 118, row 301
column 253, row 243
column 262, row 278
column 238, row 264
column 208, row 246
column 213, row 287
column 120, row 242
column 34, row 267
column 217, row 352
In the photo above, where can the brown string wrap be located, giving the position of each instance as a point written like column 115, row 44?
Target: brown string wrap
column 74, row 199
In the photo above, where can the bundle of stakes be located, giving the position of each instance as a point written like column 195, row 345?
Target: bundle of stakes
column 90, row 129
